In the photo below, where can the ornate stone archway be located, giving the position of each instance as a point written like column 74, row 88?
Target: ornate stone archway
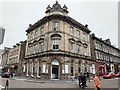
column 55, row 69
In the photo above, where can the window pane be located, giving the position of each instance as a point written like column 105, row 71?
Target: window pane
column 55, row 44
column 71, row 31
column 78, row 34
column 41, row 31
column 56, row 25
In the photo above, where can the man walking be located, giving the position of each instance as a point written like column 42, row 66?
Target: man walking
column 97, row 82
column 80, row 79
column 88, row 77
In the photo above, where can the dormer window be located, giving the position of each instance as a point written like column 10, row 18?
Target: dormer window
column 56, row 25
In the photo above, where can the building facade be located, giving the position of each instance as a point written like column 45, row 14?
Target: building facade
column 1, row 51
column 4, row 58
column 16, row 57
column 58, row 46
column 105, row 55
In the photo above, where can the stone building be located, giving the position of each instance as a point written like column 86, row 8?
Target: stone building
column 4, row 58
column 16, row 57
column 105, row 55
column 58, row 46
column 1, row 51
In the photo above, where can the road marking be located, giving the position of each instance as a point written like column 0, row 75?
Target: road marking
column 1, row 86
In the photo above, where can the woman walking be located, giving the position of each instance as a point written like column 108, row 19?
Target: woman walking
column 97, row 82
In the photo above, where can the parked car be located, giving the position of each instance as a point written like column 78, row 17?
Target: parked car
column 112, row 74
column 106, row 76
column 109, row 75
column 117, row 75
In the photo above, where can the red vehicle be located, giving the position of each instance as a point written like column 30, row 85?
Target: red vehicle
column 106, row 76
column 117, row 75
column 112, row 74
column 109, row 75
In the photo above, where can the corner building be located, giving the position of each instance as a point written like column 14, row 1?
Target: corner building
column 58, row 46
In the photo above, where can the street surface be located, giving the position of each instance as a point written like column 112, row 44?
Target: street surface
column 24, row 83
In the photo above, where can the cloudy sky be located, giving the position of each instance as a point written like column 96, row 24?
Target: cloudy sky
column 100, row 15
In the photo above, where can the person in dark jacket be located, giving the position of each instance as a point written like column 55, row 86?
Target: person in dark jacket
column 80, row 79
column 88, row 77
column 83, row 81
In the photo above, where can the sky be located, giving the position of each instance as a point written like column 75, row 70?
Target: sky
column 100, row 15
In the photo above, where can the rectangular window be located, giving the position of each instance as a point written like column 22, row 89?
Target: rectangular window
column 79, row 69
column 55, row 44
column 56, row 25
column 71, row 31
column 84, row 36
column 85, row 51
column 39, row 71
column 71, row 47
column 42, row 47
column 66, row 68
column 36, row 48
column 78, row 34
column 78, row 49
column 44, row 67
column 41, row 31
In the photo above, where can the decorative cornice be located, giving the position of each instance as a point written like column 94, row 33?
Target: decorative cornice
column 58, row 17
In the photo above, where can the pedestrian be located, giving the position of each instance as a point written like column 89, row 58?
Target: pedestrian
column 85, row 78
column 7, row 84
column 80, row 79
column 97, row 82
column 88, row 76
column 83, row 81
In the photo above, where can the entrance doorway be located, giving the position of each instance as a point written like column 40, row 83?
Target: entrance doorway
column 55, row 69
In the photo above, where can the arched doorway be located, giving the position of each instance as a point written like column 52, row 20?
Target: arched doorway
column 55, row 69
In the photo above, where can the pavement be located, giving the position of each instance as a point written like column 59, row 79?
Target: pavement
column 36, row 80
column 28, row 82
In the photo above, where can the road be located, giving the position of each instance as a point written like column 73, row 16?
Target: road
column 20, row 83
